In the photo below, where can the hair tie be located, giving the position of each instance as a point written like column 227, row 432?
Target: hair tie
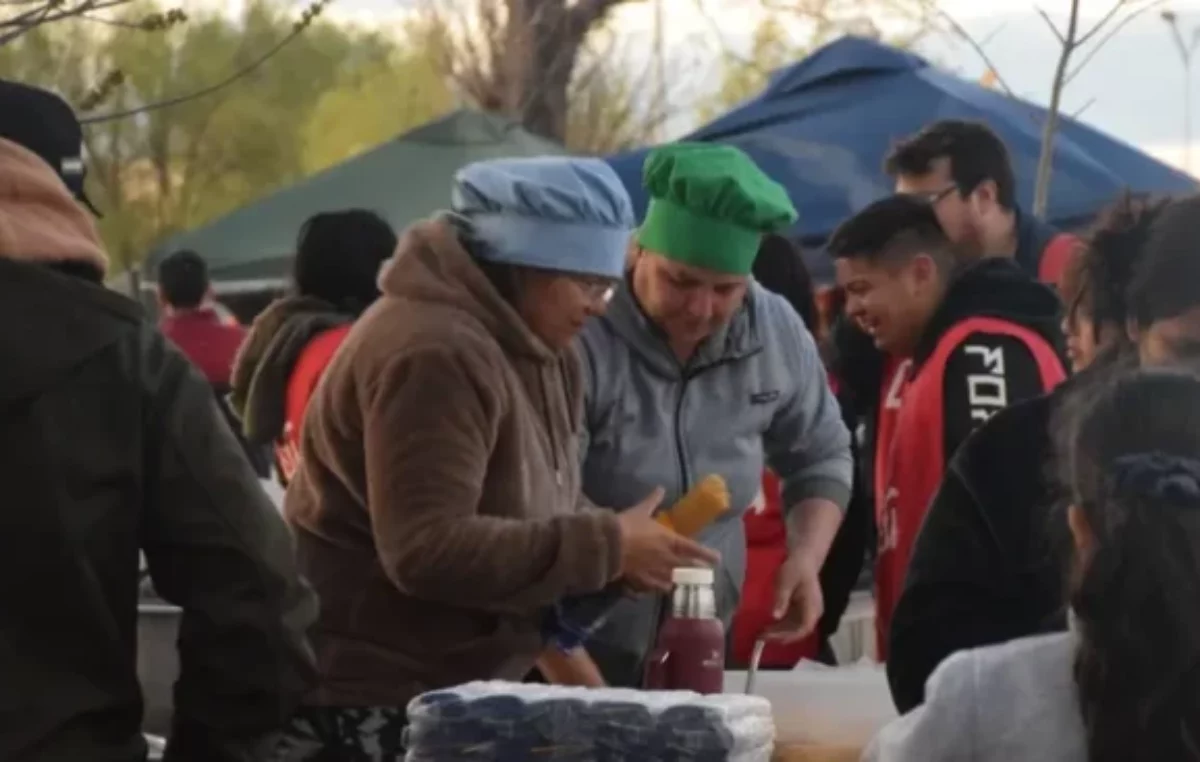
column 1158, row 476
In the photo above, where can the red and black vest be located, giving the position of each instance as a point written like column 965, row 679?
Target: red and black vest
column 910, row 456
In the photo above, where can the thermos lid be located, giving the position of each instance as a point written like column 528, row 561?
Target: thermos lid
column 699, row 575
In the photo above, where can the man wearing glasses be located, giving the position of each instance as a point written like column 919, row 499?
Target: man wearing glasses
column 963, row 170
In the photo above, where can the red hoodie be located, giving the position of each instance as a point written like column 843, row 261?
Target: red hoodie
column 210, row 343
column 310, row 367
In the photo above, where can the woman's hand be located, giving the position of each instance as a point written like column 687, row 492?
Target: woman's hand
column 650, row 551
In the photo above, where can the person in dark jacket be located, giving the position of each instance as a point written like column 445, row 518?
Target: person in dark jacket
column 988, row 566
column 963, row 169
column 977, row 340
column 335, row 277
column 112, row 445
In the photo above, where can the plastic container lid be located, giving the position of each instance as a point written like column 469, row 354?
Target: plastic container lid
column 700, row 575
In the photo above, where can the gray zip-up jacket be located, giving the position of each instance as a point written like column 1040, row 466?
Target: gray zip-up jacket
column 756, row 393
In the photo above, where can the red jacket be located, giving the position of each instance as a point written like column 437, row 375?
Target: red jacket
column 208, row 342
column 310, row 367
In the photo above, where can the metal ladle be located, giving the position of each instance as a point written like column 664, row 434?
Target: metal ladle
column 755, row 658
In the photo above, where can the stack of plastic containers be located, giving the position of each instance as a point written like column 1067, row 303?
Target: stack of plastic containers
column 509, row 722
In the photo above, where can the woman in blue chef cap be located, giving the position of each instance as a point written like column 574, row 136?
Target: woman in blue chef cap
column 436, row 506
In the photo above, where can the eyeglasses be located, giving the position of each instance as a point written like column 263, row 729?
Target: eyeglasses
column 594, row 289
column 933, row 197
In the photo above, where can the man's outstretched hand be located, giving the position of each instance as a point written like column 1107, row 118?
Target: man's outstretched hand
column 799, row 602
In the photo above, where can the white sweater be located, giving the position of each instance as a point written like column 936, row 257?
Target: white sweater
column 1015, row 701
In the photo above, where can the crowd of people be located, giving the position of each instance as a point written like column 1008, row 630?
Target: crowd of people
column 476, row 419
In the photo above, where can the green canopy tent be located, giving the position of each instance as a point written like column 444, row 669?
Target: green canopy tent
column 405, row 179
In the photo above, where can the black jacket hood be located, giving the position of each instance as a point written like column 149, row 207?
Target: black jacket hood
column 52, row 322
column 995, row 288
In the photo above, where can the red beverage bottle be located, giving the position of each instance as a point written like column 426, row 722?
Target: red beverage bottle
column 689, row 654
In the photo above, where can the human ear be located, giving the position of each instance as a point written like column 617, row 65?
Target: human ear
column 924, row 269
column 985, row 194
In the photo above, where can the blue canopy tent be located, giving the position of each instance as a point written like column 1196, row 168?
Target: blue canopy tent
column 823, row 126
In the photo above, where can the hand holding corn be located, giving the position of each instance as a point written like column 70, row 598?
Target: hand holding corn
column 650, row 550
column 698, row 508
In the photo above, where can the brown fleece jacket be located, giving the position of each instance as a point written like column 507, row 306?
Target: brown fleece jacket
column 39, row 218
column 437, row 508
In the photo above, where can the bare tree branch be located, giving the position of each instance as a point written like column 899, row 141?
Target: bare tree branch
column 1053, row 29
column 152, row 22
column 310, row 13
column 961, row 32
column 1041, row 191
column 607, row 113
column 1111, row 32
column 992, row 35
column 49, row 11
column 726, row 49
column 1079, row 111
column 587, row 13
column 1103, row 22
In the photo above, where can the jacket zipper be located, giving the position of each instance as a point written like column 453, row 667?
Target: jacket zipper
column 685, row 378
column 660, row 601
column 682, row 462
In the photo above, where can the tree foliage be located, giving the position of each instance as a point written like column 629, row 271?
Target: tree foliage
column 332, row 91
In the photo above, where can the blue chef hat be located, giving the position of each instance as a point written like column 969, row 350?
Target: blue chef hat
column 566, row 214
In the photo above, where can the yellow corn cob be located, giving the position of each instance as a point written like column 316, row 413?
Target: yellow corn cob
column 698, row 508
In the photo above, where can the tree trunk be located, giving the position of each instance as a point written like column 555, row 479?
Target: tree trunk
column 544, row 38
column 1045, row 167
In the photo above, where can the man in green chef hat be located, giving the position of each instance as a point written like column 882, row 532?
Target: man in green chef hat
column 697, row 370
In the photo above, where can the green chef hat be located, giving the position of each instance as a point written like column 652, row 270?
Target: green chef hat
column 710, row 206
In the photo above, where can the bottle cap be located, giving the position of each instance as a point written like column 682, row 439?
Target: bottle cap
column 699, row 575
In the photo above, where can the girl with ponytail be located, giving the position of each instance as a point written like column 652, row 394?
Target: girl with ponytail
column 1134, row 473
column 1123, row 684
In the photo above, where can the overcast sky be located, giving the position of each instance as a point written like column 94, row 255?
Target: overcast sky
column 1133, row 88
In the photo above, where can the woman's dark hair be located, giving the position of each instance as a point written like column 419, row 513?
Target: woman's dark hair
column 1132, row 465
column 1098, row 281
column 1166, row 279
column 338, row 257
column 780, row 268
